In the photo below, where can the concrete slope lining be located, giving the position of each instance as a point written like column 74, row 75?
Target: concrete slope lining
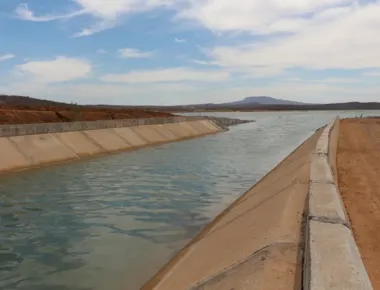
column 177, row 130
column 191, row 129
column 332, row 260
column 169, row 135
column 43, row 148
column 200, row 127
column 131, row 137
column 255, row 243
column 80, row 143
column 20, row 151
column 11, row 157
column 210, row 125
column 149, row 133
column 108, row 139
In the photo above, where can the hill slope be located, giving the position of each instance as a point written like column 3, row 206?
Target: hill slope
column 261, row 101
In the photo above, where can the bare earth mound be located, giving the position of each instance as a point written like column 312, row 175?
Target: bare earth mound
column 9, row 115
column 359, row 184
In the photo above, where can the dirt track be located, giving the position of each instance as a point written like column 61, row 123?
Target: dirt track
column 359, row 184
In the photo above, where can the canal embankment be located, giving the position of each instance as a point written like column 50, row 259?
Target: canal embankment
column 358, row 167
column 32, row 145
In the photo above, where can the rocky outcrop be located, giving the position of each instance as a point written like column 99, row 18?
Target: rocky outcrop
column 227, row 122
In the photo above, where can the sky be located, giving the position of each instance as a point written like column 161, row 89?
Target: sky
column 164, row 52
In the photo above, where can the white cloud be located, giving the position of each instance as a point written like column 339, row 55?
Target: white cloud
column 346, row 40
column 373, row 74
column 60, row 69
column 134, row 53
column 180, row 40
column 6, row 57
column 107, row 14
column 201, row 62
column 167, row 75
column 101, row 51
column 96, row 27
column 24, row 13
column 326, row 80
column 256, row 16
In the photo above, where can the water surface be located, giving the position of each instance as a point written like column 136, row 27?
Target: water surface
column 112, row 222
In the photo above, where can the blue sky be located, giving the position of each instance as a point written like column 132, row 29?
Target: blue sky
column 190, row 51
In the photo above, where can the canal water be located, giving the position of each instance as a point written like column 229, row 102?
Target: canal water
column 111, row 222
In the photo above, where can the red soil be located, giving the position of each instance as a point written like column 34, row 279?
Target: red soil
column 25, row 115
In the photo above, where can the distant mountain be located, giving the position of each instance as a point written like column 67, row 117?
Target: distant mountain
column 23, row 101
column 262, row 101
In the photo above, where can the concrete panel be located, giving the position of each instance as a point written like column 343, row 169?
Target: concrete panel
column 10, row 157
column 80, row 143
column 320, row 169
column 335, row 262
column 108, row 139
column 189, row 130
column 177, row 130
column 210, row 125
column 200, row 127
column 131, row 137
column 325, row 203
column 273, row 263
column 199, row 132
column 42, row 149
column 164, row 131
column 150, row 134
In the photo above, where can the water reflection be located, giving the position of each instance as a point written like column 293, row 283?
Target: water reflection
column 111, row 222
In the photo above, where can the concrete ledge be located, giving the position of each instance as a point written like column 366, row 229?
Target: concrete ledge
column 334, row 258
column 320, row 169
column 325, row 203
column 331, row 258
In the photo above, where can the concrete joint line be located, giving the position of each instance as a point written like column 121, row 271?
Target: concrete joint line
column 64, row 145
column 26, row 156
column 327, row 220
column 322, row 181
column 256, row 253
column 320, row 153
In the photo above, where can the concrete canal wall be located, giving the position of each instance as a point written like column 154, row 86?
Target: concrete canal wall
column 256, row 243
column 32, row 145
column 289, row 231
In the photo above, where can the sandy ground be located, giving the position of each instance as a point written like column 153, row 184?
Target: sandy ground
column 359, row 183
column 256, row 243
column 56, row 115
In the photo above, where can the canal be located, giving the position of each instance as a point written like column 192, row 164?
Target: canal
column 111, row 222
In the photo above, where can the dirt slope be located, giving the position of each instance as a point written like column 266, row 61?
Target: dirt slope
column 359, row 184
column 55, row 115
